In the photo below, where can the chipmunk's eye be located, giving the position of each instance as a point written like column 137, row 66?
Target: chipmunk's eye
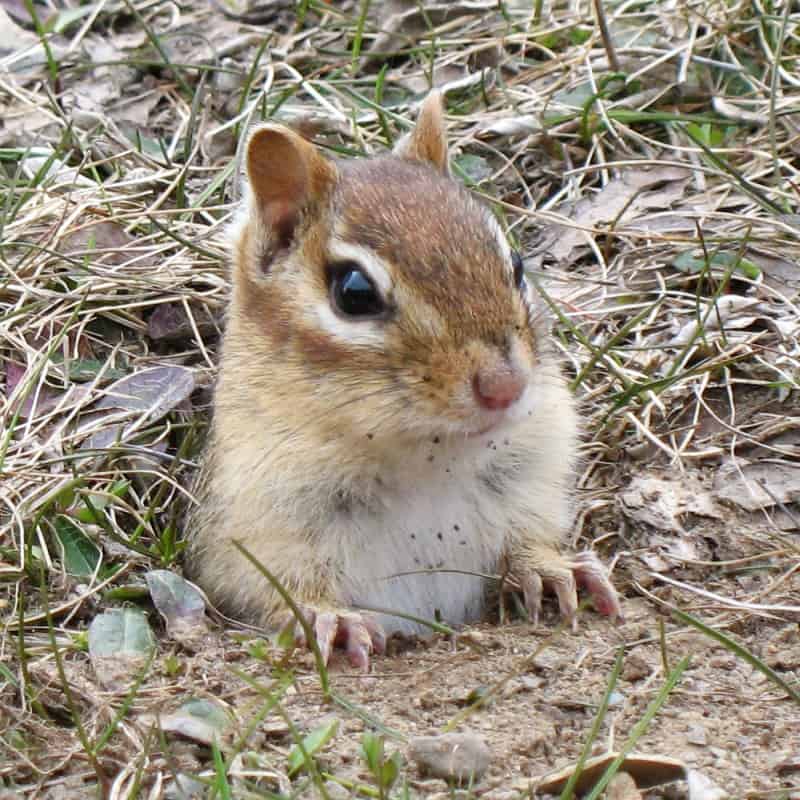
column 519, row 269
column 353, row 293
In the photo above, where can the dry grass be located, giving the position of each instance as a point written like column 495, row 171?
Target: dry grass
column 656, row 207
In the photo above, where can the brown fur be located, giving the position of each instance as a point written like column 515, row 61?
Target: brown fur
column 452, row 246
column 329, row 430
column 427, row 144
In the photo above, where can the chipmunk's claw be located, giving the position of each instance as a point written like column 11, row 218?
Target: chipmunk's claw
column 357, row 634
column 550, row 570
column 592, row 575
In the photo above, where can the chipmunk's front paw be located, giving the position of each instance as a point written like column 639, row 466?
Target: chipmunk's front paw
column 543, row 567
column 359, row 635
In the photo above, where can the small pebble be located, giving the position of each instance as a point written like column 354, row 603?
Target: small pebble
column 696, row 734
column 459, row 757
column 623, row 787
column 636, row 668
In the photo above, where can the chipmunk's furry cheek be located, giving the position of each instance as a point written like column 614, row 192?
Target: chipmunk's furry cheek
column 255, row 300
column 318, row 347
column 442, row 385
column 273, row 315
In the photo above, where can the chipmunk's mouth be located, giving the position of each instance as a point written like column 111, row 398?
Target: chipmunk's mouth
column 487, row 423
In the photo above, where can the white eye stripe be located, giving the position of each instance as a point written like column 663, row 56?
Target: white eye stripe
column 371, row 263
column 368, row 333
column 502, row 241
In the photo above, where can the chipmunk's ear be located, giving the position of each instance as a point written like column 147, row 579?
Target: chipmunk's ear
column 287, row 176
column 428, row 141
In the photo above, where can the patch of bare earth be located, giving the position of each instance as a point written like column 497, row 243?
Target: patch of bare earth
column 648, row 169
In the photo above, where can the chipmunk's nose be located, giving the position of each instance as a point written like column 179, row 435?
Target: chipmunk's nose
column 498, row 386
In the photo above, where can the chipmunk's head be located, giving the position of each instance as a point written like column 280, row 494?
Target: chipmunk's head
column 380, row 287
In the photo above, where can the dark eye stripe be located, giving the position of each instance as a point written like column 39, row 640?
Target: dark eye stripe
column 519, row 269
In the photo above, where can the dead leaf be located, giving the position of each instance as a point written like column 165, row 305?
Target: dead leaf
column 403, row 29
column 506, row 127
column 101, row 242
column 311, row 122
column 16, row 9
column 780, row 274
column 42, row 161
column 646, row 770
column 136, row 112
column 120, row 643
column 660, row 503
column 179, row 603
column 144, row 396
column 741, row 483
column 198, row 719
column 726, row 313
column 155, row 391
column 42, row 400
column 471, row 80
column 619, row 202
column 170, row 322
column 21, row 123
column 92, row 97
column 185, row 787
column 442, row 74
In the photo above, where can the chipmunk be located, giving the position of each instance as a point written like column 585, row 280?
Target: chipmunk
column 391, row 423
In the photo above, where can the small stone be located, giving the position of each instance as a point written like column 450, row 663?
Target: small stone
column 616, row 699
column 696, row 734
column 623, row 787
column 459, row 757
column 703, row 787
column 635, row 668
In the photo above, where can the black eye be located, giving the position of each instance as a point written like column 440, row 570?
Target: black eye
column 519, row 270
column 353, row 293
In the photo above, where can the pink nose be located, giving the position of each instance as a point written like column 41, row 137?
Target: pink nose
column 498, row 387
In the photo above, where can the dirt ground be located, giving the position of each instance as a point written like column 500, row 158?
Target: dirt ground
column 725, row 720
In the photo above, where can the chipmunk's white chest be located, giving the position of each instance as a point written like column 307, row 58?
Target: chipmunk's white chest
column 422, row 547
